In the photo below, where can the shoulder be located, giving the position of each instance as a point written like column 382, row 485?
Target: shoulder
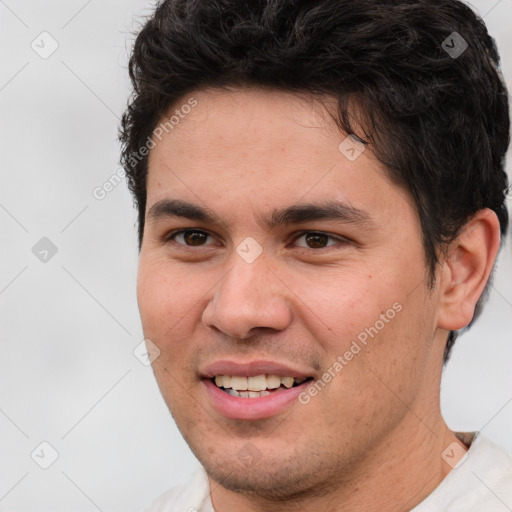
column 482, row 480
column 191, row 496
column 494, row 469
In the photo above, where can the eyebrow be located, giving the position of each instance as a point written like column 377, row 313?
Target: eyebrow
column 295, row 214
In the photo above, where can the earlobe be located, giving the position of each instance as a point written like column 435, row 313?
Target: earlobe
column 466, row 269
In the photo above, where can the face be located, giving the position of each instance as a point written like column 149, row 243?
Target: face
column 272, row 255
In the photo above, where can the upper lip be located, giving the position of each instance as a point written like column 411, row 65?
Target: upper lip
column 251, row 369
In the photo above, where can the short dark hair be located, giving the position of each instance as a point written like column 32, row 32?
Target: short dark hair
column 438, row 121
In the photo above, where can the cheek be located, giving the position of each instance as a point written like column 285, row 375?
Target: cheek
column 372, row 322
column 342, row 307
column 384, row 357
column 167, row 299
column 168, row 305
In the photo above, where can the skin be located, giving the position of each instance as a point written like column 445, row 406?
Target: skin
column 372, row 438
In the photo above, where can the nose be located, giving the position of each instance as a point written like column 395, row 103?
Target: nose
column 249, row 297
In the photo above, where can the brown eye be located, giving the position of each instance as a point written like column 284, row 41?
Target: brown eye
column 316, row 240
column 190, row 237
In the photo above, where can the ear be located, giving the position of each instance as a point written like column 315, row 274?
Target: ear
column 466, row 268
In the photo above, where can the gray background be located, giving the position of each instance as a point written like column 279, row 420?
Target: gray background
column 70, row 324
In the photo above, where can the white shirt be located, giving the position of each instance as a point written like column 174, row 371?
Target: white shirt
column 480, row 482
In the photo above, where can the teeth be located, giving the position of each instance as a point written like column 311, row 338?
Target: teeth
column 287, row 381
column 258, row 383
column 247, row 394
column 273, row 381
column 254, row 385
column 238, row 383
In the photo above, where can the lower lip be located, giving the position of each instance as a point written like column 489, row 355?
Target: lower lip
column 237, row 408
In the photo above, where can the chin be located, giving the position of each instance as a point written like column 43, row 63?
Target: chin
column 273, row 476
column 271, row 484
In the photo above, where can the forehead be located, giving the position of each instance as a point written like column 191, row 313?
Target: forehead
column 229, row 125
column 262, row 149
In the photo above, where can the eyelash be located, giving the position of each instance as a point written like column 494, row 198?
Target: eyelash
column 170, row 237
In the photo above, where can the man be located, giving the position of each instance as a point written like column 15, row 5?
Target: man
column 321, row 200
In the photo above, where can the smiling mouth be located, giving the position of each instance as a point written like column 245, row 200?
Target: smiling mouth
column 255, row 387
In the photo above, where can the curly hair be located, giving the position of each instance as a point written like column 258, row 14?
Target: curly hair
column 438, row 122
